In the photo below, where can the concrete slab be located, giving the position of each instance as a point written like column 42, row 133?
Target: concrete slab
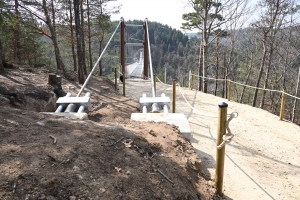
column 178, row 119
column 82, row 116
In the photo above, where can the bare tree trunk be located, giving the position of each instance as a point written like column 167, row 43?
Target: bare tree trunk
column 54, row 33
column 260, row 71
column 200, row 66
column 79, row 41
column 247, row 79
column 89, row 35
column 267, row 77
column 204, row 57
column 2, row 57
column 59, row 62
column 296, row 94
column 82, row 37
column 217, row 67
column 72, row 38
column 224, row 77
column 17, row 46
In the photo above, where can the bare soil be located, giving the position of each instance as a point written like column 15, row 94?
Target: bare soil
column 105, row 157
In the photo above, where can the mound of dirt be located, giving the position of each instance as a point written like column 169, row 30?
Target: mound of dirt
column 105, row 157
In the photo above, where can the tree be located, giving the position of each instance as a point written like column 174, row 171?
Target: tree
column 209, row 15
column 39, row 10
column 78, row 29
column 72, row 38
column 271, row 20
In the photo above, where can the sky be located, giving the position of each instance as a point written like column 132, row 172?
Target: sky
column 163, row 11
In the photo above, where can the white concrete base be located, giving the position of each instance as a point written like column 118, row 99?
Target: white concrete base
column 82, row 116
column 178, row 119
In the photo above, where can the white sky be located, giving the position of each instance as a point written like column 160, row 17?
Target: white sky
column 163, row 11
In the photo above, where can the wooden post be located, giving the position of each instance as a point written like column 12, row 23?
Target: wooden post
column 174, row 96
column 189, row 86
column 229, row 89
column 116, row 77
column 282, row 105
column 155, row 84
column 192, row 80
column 124, row 78
column 220, row 158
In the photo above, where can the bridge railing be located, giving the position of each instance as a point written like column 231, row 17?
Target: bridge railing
column 283, row 106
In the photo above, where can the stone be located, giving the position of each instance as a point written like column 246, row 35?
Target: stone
column 4, row 101
column 72, row 198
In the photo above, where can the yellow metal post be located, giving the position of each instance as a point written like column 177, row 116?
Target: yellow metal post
column 124, row 78
column 155, row 84
column 282, row 105
column 174, row 96
column 116, row 82
column 220, row 158
column 192, row 80
column 229, row 89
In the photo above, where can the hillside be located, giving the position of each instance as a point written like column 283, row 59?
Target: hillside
column 105, row 157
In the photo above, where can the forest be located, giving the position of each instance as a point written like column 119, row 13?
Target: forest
column 260, row 51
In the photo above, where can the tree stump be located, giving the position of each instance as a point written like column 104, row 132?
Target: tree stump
column 55, row 81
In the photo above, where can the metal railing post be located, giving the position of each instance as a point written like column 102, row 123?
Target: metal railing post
column 174, row 97
column 282, row 105
column 220, row 157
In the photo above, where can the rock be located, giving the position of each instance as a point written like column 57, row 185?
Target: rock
column 72, row 198
column 128, row 173
column 4, row 101
column 41, row 123
column 42, row 197
column 102, row 190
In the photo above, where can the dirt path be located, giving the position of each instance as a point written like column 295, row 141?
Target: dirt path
column 262, row 161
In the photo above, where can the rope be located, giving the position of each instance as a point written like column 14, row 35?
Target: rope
column 209, row 78
column 291, row 95
column 228, row 136
column 250, row 86
column 254, row 87
column 194, row 109
column 162, row 82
